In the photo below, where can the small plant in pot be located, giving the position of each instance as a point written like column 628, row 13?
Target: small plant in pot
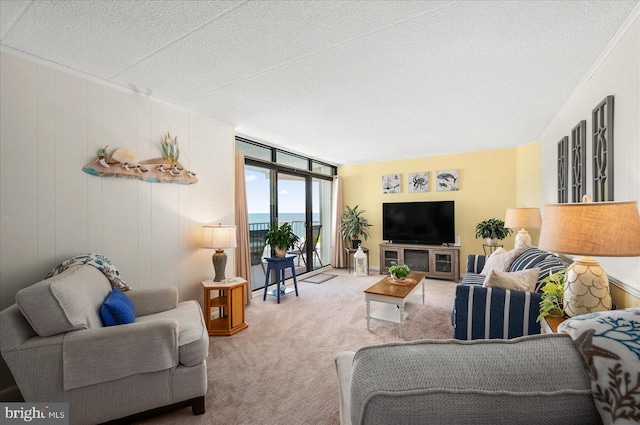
column 492, row 230
column 354, row 226
column 281, row 238
column 552, row 303
column 399, row 273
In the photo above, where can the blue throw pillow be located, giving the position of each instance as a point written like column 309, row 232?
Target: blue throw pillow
column 117, row 309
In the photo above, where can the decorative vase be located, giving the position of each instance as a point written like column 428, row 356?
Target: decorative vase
column 355, row 243
column 492, row 241
column 280, row 253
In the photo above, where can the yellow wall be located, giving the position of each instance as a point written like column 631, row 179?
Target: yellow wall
column 487, row 187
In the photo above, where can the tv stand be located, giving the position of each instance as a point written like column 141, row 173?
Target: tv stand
column 438, row 262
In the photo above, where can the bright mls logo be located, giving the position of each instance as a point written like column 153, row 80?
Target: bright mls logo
column 37, row 413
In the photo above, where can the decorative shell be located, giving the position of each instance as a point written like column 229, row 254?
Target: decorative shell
column 125, row 156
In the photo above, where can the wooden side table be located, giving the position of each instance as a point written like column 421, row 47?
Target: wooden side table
column 230, row 305
column 348, row 254
column 549, row 325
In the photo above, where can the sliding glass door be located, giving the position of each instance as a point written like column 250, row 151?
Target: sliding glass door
column 284, row 187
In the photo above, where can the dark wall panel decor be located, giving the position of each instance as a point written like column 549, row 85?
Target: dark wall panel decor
column 563, row 163
column 602, row 153
column 578, row 161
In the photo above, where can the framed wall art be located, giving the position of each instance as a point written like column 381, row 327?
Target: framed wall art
column 446, row 180
column 578, row 161
column 419, row 182
column 602, row 150
column 563, row 167
column 391, row 183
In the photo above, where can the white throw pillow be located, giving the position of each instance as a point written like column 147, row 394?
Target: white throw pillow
column 524, row 280
column 500, row 260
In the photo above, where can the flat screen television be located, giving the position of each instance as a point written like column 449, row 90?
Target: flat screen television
column 429, row 223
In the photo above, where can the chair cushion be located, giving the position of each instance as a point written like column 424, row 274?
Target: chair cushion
column 117, row 309
column 66, row 302
column 193, row 338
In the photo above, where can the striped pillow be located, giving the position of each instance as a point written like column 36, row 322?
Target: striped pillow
column 548, row 266
column 529, row 259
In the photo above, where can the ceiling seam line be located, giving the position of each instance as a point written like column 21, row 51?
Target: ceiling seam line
column 10, row 26
column 320, row 51
column 280, row 65
column 176, row 40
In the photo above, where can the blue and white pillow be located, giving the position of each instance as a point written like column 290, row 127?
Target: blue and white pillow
column 609, row 343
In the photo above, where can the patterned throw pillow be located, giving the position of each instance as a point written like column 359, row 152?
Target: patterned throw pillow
column 609, row 343
column 117, row 309
column 500, row 260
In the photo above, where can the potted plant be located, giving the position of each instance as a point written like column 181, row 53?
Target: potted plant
column 354, row 226
column 552, row 303
column 399, row 273
column 492, row 230
column 281, row 238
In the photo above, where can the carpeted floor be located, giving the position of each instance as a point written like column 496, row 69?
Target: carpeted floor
column 280, row 370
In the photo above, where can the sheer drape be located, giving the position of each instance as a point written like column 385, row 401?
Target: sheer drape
column 243, row 258
column 337, row 253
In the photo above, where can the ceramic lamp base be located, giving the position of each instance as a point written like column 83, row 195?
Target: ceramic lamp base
column 523, row 239
column 219, row 259
column 586, row 288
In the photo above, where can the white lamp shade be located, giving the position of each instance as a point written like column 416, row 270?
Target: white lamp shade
column 522, row 217
column 219, row 237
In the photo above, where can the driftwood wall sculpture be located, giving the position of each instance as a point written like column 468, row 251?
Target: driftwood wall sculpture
column 124, row 163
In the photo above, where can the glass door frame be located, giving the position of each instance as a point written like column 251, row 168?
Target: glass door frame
column 308, row 176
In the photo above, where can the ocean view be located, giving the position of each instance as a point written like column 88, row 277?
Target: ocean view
column 289, row 217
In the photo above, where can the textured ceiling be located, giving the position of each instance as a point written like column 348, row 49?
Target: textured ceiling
column 342, row 81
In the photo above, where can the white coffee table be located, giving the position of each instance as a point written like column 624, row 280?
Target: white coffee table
column 396, row 301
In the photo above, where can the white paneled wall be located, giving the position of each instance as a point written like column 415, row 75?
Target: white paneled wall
column 617, row 75
column 54, row 122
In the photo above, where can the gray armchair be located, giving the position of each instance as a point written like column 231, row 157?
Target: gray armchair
column 57, row 349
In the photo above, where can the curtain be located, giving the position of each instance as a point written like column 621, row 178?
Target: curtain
column 337, row 253
column 243, row 258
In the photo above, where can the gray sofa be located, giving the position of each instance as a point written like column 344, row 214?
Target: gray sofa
column 57, row 349
column 538, row 379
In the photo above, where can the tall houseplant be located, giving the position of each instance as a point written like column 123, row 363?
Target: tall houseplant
column 354, row 226
column 492, row 230
column 281, row 238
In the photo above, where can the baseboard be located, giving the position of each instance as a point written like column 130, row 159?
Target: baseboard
column 11, row 394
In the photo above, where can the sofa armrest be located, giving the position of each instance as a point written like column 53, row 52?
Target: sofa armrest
column 488, row 313
column 153, row 300
column 475, row 263
column 99, row 355
column 344, row 367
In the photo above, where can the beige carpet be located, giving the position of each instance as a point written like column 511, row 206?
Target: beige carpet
column 280, row 370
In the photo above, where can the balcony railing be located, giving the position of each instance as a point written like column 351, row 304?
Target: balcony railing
column 259, row 249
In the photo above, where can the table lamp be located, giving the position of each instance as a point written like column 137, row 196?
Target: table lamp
column 522, row 217
column 603, row 229
column 219, row 237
